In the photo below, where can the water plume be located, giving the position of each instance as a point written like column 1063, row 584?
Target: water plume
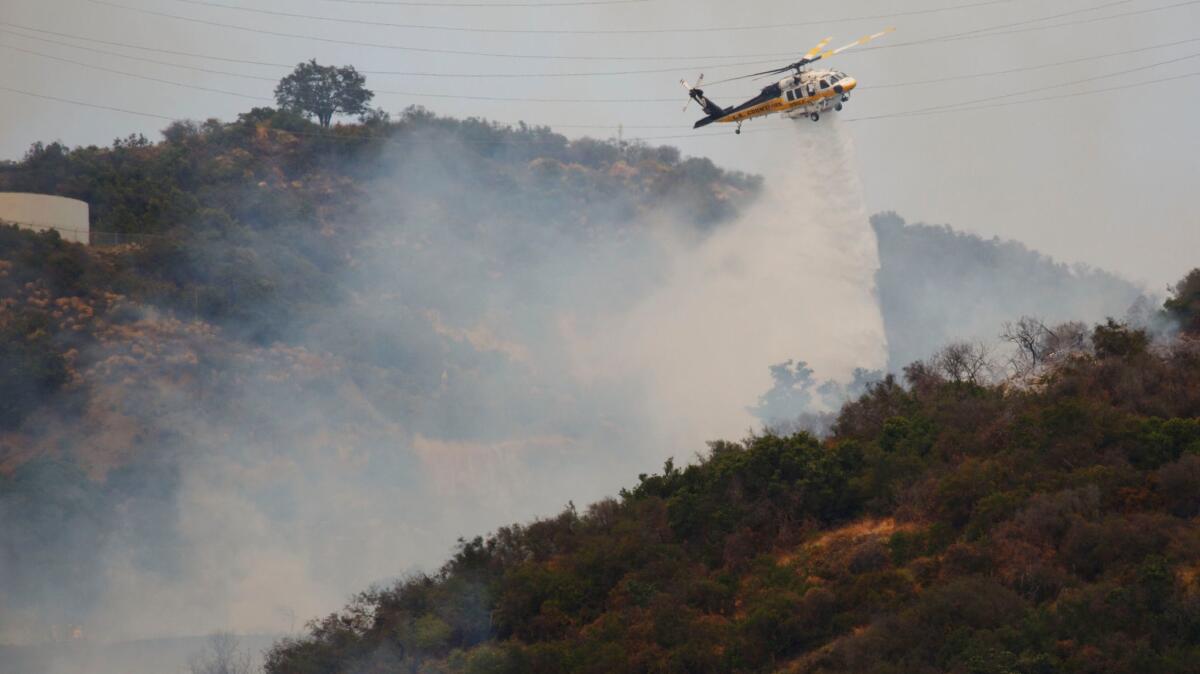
column 793, row 278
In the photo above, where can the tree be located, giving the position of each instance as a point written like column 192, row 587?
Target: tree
column 791, row 395
column 222, row 654
column 1119, row 340
column 964, row 363
column 1028, row 336
column 1184, row 304
column 1065, row 340
column 323, row 91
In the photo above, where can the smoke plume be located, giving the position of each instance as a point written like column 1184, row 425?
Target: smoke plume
column 495, row 356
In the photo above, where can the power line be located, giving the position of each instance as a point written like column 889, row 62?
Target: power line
column 969, row 106
column 84, row 104
column 159, row 80
column 592, row 100
column 952, row 108
column 127, row 45
column 1043, row 66
column 597, row 31
column 410, row 94
column 224, row 59
column 395, row 47
column 530, row 99
column 938, row 80
column 510, row 75
column 489, row 5
column 266, row 99
column 982, row 32
column 1029, row 22
column 571, row 100
column 138, row 59
column 547, row 57
column 1004, row 104
column 999, row 31
column 414, row 94
column 1085, row 80
column 988, row 31
column 329, row 136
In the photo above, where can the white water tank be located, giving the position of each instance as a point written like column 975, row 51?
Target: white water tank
column 40, row 212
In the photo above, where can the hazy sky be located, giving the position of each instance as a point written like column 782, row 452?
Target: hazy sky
column 1104, row 179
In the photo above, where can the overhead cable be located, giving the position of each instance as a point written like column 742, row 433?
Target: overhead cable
column 224, row 59
column 532, row 99
column 1040, row 66
column 1106, row 75
column 489, row 5
column 1023, row 27
column 598, row 57
column 410, row 94
column 590, row 31
column 681, row 136
column 93, row 66
column 1053, row 97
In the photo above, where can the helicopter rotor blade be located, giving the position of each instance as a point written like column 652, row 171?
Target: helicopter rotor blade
column 856, row 43
column 813, row 55
column 817, row 49
column 765, row 73
column 774, row 71
column 804, row 60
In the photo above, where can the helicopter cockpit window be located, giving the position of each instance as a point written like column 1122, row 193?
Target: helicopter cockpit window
column 824, row 84
column 791, row 95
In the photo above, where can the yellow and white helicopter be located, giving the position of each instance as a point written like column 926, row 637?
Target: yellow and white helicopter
column 805, row 93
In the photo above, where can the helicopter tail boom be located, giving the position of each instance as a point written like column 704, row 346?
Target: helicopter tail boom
column 695, row 93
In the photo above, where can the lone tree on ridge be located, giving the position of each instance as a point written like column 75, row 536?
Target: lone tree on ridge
column 323, row 91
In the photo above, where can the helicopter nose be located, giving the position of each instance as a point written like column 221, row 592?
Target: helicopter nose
column 846, row 86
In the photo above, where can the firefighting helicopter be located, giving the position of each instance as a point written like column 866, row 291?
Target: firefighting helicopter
column 805, row 93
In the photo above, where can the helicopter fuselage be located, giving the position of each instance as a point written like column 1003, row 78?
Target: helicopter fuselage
column 807, row 93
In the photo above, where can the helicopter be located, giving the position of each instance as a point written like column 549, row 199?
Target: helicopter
column 804, row 93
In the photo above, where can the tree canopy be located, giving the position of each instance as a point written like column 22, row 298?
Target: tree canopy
column 1184, row 304
column 324, row 91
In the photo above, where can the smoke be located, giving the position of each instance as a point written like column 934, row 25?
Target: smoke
column 505, row 344
column 937, row 285
column 794, row 277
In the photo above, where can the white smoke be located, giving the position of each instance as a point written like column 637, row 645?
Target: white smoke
column 552, row 368
column 794, row 278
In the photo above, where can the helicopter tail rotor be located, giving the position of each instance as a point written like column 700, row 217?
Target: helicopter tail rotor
column 693, row 91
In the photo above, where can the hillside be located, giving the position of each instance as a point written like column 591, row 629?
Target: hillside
column 945, row 526
column 309, row 330
column 303, row 360
column 937, row 285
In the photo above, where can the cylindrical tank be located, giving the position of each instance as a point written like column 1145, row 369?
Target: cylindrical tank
column 40, row 212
